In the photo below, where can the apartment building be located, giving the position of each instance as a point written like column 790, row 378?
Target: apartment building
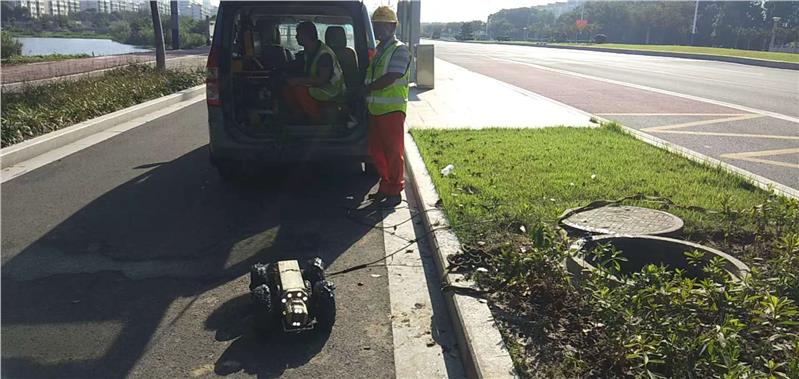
column 40, row 8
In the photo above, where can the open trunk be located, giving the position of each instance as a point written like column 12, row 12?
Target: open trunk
column 258, row 108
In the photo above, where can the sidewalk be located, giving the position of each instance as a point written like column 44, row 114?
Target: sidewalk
column 36, row 73
column 465, row 99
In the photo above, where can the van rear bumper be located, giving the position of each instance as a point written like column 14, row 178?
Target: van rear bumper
column 227, row 143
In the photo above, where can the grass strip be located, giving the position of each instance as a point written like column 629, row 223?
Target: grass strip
column 753, row 54
column 62, row 34
column 24, row 59
column 506, row 191
column 38, row 110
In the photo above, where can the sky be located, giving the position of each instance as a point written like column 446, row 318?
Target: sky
column 455, row 10
column 460, row 10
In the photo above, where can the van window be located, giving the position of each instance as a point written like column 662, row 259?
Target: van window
column 322, row 29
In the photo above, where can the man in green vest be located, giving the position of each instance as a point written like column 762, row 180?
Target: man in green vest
column 322, row 79
column 387, row 100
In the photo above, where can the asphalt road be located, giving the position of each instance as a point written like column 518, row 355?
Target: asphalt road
column 744, row 115
column 130, row 259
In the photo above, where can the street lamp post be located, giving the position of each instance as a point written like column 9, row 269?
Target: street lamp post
column 773, row 32
column 488, row 20
column 693, row 28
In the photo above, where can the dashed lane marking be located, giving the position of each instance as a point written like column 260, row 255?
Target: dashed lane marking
column 753, row 156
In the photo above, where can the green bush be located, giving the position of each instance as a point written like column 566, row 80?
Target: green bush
column 9, row 47
column 39, row 110
column 503, row 199
column 656, row 323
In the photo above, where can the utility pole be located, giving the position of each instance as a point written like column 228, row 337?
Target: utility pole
column 160, row 59
column 488, row 20
column 693, row 28
column 173, row 9
column 773, row 32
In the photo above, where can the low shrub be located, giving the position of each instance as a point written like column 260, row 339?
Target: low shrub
column 42, row 109
column 9, row 47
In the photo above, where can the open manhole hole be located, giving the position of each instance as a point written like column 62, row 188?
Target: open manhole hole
column 624, row 219
column 641, row 251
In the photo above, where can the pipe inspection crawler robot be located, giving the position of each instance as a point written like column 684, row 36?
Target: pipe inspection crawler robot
column 298, row 299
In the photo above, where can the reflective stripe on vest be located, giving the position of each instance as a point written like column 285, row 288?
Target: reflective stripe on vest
column 333, row 88
column 394, row 97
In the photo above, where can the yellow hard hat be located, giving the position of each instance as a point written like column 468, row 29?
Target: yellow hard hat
column 384, row 14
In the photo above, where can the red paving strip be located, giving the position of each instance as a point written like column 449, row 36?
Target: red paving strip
column 593, row 96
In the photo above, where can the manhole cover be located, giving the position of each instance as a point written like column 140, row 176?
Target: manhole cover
column 624, row 220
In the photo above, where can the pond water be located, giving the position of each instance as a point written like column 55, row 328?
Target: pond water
column 44, row 46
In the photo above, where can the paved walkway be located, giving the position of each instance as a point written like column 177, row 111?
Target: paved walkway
column 465, row 99
column 12, row 77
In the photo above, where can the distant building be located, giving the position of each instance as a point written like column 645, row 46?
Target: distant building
column 560, row 7
column 192, row 8
column 37, row 8
column 196, row 9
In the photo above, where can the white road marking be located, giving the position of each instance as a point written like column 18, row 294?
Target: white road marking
column 753, row 156
column 701, row 122
column 661, row 91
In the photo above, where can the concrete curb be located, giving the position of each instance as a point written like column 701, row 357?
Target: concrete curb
column 26, row 150
column 707, row 57
column 483, row 351
column 757, row 180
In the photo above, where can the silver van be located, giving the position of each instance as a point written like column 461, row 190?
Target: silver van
column 253, row 50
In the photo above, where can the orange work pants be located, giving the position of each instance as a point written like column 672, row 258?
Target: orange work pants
column 386, row 146
column 300, row 101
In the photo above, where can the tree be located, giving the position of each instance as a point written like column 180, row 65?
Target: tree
column 467, row 31
column 9, row 47
column 120, row 31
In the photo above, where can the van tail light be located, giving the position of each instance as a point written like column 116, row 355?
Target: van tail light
column 371, row 52
column 212, row 78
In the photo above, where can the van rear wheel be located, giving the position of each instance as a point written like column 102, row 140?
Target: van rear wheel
column 229, row 170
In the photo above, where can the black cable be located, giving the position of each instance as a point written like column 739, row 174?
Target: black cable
column 403, row 248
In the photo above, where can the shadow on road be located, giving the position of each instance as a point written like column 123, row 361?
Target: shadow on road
column 264, row 355
column 86, row 298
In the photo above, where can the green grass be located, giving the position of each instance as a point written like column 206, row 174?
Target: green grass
column 25, row 59
column 528, row 176
column 38, row 110
column 47, row 34
column 661, row 322
column 766, row 55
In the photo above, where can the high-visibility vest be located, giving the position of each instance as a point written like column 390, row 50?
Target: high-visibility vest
column 335, row 86
column 394, row 97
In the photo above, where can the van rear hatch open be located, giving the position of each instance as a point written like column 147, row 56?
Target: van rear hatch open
column 249, row 84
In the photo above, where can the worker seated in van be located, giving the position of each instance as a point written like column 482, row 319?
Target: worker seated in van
column 272, row 55
column 322, row 80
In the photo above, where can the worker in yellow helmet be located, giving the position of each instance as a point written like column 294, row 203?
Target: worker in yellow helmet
column 387, row 100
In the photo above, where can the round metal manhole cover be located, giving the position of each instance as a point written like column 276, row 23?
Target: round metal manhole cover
column 624, row 220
